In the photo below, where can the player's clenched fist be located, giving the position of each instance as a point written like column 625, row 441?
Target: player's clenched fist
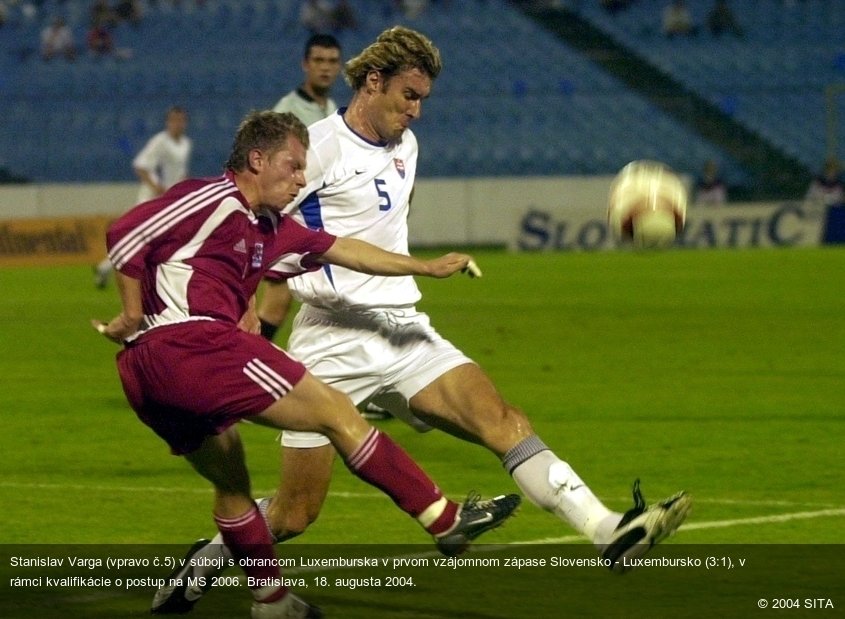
column 451, row 263
column 116, row 330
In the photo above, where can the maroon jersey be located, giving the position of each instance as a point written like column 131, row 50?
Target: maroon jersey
column 200, row 252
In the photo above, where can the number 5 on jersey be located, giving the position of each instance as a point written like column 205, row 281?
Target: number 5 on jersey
column 384, row 204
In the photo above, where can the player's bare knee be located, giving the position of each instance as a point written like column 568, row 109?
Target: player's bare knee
column 502, row 426
column 516, row 420
column 289, row 529
column 291, row 520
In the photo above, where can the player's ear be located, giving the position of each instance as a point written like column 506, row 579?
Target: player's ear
column 254, row 160
column 374, row 81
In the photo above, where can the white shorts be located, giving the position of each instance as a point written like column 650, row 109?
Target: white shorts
column 384, row 356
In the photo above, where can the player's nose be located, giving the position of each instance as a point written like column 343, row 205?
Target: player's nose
column 415, row 109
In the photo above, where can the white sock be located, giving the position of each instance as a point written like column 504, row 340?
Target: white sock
column 551, row 484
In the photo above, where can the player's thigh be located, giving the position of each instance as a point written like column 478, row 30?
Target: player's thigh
column 461, row 392
column 312, row 406
column 465, row 402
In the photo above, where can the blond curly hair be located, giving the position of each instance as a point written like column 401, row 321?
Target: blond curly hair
column 395, row 50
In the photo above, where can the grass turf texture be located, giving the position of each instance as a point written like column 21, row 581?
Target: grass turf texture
column 720, row 372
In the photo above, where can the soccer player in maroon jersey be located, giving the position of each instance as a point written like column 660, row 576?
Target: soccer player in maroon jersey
column 188, row 265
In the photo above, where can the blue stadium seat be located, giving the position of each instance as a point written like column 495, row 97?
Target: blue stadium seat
column 506, row 84
column 787, row 48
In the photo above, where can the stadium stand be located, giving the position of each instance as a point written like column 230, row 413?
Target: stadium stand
column 773, row 79
column 513, row 98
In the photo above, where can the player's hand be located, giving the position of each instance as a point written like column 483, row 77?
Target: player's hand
column 250, row 323
column 117, row 330
column 451, row 263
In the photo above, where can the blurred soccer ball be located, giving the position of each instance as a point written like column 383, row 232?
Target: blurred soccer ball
column 647, row 204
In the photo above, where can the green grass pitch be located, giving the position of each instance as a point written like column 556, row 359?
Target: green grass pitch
column 718, row 372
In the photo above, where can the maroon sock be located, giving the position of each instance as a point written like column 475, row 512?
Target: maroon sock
column 445, row 521
column 248, row 538
column 382, row 463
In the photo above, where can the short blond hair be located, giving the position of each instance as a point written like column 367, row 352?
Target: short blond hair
column 267, row 131
column 395, row 50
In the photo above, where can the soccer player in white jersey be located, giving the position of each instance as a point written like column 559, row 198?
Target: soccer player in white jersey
column 363, row 335
column 160, row 164
column 310, row 102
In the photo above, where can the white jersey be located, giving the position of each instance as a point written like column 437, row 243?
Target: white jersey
column 300, row 104
column 165, row 159
column 360, row 189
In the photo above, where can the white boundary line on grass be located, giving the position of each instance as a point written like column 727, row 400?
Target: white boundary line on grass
column 362, row 495
column 569, row 539
column 832, row 511
column 717, row 524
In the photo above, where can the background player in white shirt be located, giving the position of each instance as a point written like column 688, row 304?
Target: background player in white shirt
column 310, row 102
column 161, row 163
column 164, row 159
column 363, row 335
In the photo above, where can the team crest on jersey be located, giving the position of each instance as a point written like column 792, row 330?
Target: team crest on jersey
column 258, row 256
column 400, row 167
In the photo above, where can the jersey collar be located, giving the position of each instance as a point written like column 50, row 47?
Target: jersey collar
column 379, row 144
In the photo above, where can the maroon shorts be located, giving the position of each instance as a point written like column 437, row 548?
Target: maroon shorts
column 194, row 379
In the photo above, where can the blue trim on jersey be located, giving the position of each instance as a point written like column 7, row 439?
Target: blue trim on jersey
column 313, row 216
column 342, row 111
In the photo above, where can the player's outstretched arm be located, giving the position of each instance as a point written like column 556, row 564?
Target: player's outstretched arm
column 127, row 322
column 362, row 256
